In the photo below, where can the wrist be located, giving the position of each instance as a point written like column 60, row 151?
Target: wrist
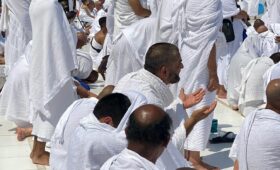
column 190, row 122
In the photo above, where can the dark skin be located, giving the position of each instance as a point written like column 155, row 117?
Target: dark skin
column 147, row 115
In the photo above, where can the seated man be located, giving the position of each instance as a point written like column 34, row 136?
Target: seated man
column 148, row 134
column 14, row 101
column 258, row 143
column 94, row 141
column 68, row 122
column 251, row 90
column 162, row 67
column 97, row 43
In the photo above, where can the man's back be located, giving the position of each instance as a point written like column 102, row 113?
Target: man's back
column 147, row 84
column 263, row 143
column 67, row 124
column 92, row 144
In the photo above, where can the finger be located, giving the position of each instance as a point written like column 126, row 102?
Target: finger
column 200, row 95
column 181, row 91
column 197, row 91
column 212, row 107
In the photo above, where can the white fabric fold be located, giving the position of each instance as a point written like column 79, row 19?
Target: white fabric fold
column 259, row 141
column 154, row 90
column 84, row 65
column 229, row 8
column 250, row 88
column 68, row 122
column 129, row 160
column 53, row 54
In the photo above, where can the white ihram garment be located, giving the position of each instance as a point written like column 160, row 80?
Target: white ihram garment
column 84, row 65
column 158, row 93
column 95, row 142
column 203, row 22
column 273, row 12
column 259, row 141
column 14, row 102
column 223, row 59
column 53, row 58
column 16, row 21
column 124, row 16
column 129, row 160
column 243, row 56
column 130, row 47
column 230, row 10
column 67, row 124
column 251, row 87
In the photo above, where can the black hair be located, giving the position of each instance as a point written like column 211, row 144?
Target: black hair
column 158, row 55
column 151, row 134
column 258, row 23
column 114, row 105
column 275, row 57
column 102, row 21
column 65, row 6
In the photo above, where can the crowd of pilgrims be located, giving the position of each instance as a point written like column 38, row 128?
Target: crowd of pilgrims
column 163, row 62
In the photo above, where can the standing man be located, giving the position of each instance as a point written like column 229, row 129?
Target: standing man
column 53, row 57
column 15, row 21
column 203, row 19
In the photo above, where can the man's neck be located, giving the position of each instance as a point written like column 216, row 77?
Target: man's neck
column 144, row 151
column 270, row 107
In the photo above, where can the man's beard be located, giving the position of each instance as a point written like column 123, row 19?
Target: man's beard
column 174, row 78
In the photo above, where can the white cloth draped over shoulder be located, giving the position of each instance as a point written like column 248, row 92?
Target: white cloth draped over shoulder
column 15, row 21
column 129, row 160
column 196, row 40
column 154, row 89
column 68, row 122
column 14, row 102
column 53, row 59
column 158, row 93
column 88, row 144
column 243, row 56
column 84, row 65
column 259, row 141
column 251, row 87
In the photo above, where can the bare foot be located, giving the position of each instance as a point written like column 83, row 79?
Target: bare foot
column 23, row 133
column 222, row 93
column 41, row 159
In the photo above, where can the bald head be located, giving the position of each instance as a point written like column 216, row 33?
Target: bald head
column 273, row 94
column 149, row 124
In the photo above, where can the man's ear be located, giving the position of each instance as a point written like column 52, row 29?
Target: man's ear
column 108, row 120
column 163, row 71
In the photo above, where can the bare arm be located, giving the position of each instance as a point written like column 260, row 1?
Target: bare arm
column 138, row 9
column 212, row 68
